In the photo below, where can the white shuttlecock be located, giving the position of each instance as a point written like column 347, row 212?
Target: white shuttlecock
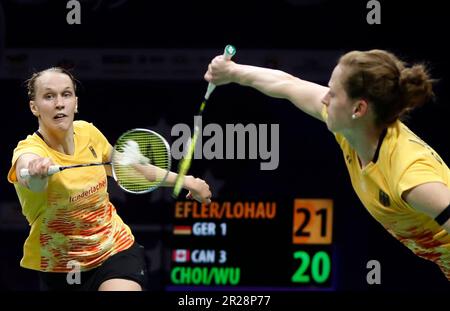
column 131, row 154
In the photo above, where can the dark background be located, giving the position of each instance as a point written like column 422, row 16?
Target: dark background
column 310, row 161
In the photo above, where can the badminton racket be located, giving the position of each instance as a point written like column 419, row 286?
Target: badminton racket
column 140, row 161
column 185, row 162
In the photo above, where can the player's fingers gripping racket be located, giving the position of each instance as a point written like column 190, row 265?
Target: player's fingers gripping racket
column 185, row 163
column 140, row 161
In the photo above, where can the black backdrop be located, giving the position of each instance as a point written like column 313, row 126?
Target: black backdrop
column 310, row 161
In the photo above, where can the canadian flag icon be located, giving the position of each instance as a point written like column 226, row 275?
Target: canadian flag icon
column 181, row 255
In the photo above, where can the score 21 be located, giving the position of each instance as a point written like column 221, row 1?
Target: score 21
column 312, row 225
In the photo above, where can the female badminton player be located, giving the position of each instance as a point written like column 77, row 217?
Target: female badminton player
column 73, row 223
column 402, row 182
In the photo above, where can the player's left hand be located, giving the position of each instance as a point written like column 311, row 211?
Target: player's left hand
column 198, row 190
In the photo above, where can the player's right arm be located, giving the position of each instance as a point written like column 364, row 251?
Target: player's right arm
column 275, row 83
column 37, row 167
column 198, row 188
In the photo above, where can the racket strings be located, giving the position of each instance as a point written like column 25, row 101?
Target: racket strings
column 140, row 147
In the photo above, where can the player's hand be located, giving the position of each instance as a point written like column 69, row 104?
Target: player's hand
column 198, row 189
column 219, row 71
column 39, row 167
column 131, row 154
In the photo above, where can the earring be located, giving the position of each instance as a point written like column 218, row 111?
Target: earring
column 353, row 116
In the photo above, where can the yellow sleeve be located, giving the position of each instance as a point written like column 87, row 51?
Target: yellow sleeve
column 24, row 146
column 415, row 163
column 103, row 143
column 420, row 172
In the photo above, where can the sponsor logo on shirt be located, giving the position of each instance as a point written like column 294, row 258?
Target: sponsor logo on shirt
column 88, row 192
column 384, row 198
column 93, row 151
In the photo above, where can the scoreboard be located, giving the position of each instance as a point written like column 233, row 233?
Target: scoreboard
column 253, row 245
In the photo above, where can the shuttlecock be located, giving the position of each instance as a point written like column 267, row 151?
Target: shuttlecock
column 131, row 154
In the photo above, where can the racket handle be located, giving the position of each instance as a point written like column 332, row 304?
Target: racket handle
column 228, row 53
column 24, row 173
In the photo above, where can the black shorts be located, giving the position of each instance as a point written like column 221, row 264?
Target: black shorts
column 129, row 264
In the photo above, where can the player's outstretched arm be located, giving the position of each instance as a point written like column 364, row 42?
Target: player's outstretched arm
column 275, row 83
column 198, row 188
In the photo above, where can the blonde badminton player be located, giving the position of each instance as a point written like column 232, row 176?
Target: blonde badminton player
column 403, row 183
column 73, row 223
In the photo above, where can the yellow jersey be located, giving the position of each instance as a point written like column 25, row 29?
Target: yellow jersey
column 73, row 219
column 404, row 161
